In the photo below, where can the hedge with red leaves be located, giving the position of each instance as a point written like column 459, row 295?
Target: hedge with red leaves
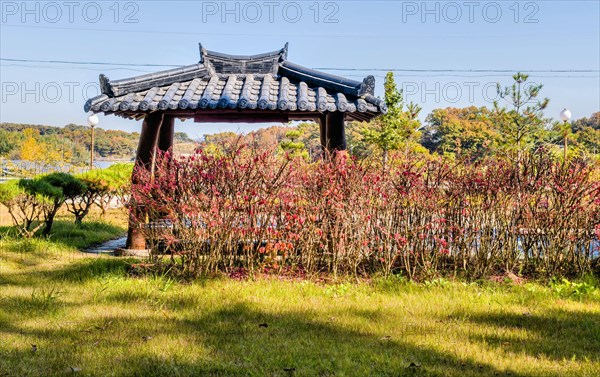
column 254, row 209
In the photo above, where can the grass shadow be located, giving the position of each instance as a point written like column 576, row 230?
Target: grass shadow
column 558, row 334
column 79, row 271
column 90, row 233
column 42, row 302
column 65, row 235
column 236, row 341
column 86, row 269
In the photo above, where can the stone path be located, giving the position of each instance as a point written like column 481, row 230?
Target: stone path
column 108, row 247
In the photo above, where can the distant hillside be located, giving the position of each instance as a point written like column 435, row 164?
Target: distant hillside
column 71, row 143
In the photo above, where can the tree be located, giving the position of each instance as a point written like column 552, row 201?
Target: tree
column 24, row 206
column 56, row 188
column 589, row 138
column 522, row 125
column 311, row 137
column 6, row 144
column 454, row 130
column 31, row 150
column 182, row 137
column 218, row 143
column 101, row 187
column 593, row 122
column 80, row 205
column 69, row 144
column 292, row 144
column 397, row 127
column 117, row 177
column 357, row 145
column 587, row 133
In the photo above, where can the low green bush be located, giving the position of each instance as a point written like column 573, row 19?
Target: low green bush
column 572, row 289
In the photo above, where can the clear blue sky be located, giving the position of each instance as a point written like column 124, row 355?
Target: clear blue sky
column 433, row 35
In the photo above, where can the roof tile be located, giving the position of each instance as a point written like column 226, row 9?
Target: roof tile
column 267, row 82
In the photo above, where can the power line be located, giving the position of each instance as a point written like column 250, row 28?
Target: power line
column 409, row 70
column 79, row 68
column 360, row 76
column 265, row 35
column 87, row 63
column 463, row 70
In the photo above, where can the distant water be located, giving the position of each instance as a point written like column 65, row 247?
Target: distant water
column 43, row 168
column 104, row 164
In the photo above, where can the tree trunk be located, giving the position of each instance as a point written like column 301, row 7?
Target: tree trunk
column 49, row 222
column 79, row 216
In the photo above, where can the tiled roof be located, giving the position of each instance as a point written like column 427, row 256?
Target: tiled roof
column 266, row 82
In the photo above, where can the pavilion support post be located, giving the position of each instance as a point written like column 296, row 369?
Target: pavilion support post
column 166, row 134
column 144, row 159
column 323, row 134
column 163, row 145
column 335, row 132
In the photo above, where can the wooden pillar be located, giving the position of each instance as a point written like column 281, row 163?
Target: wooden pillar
column 166, row 134
column 143, row 159
column 335, row 131
column 323, row 133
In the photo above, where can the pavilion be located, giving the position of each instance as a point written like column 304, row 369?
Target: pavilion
column 235, row 89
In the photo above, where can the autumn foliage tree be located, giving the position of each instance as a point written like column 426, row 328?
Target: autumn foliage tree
column 468, row 131
column 31, row 149
column 587, row 133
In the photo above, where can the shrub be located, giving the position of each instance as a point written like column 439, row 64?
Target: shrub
column 100, row 187
column 55, row 189
column 24, row 205
column 116, row 180
column 565, row 288
column 80, row 205
column 424, row 218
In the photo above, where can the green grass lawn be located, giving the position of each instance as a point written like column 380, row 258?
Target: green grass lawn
column 87, row 316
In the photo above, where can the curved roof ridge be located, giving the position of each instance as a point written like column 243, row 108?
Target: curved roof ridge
column 149, row 80
column 281, row 54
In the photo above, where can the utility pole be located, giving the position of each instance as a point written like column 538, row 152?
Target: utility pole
column 565, row 116
column 93, row 122
column 92, row 149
